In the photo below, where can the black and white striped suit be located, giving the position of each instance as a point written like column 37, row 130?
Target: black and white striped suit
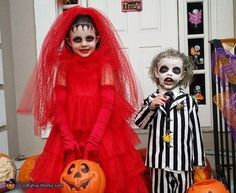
column 185, row 149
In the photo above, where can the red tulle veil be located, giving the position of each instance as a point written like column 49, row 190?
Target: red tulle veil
column 38, row 96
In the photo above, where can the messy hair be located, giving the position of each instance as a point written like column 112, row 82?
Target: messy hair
column 188, row 66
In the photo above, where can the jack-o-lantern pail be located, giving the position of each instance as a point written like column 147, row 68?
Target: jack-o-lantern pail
column 83, row 176
column 208, row 186
column 26, row 168
column 202, row 173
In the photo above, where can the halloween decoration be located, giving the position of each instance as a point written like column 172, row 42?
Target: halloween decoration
column 180, row 106
column 167, row 137
column 195, row 17
column 7, row 173
column 26, row 168
column 208, row 186
column 83, row 176
column 7, row 186
column 7, row 168
column 202, row 173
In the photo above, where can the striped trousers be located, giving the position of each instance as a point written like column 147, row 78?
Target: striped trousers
column 170, row 182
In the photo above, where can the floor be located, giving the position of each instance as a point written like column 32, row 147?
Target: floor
column 14, row 191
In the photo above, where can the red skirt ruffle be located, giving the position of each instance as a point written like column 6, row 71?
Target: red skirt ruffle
column 120, row 161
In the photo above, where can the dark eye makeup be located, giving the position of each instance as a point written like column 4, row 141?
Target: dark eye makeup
column 165, row 69
column 90, row 38
column 176, row 70
column 78, row 39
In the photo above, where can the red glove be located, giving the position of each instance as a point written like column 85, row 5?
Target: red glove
column 68, row 140
column 104, row 114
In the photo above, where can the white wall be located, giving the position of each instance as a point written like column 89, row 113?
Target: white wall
column 221, row 19
column 24, row 56
column 8, row 133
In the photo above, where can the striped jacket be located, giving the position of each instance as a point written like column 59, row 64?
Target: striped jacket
column 175, row 138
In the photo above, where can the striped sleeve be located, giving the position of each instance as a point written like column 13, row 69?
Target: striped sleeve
column 145, row 115
column 198, row 149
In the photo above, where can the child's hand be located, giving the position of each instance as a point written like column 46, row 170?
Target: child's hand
column 159, row 100
column 69, row 143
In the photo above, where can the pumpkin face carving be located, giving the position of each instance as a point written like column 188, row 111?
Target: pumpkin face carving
column 83, row 176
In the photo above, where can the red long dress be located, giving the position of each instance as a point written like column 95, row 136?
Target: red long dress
column 82, row 79
column 122, row 164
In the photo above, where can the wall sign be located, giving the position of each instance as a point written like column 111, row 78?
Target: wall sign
column 131, row 5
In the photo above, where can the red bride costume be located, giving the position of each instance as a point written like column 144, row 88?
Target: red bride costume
column 87, row 101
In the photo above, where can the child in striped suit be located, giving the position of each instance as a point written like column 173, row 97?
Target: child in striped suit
column 175, row 145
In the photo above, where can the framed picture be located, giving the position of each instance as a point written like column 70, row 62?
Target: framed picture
column 197, row 88
column 195, row 18
column 196, row 52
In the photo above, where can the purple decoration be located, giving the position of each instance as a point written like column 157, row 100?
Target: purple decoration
column 223, row 64
column 231, row 109
column 228, row 70
column 232, row 103
column 233, row 132
column 195, row 17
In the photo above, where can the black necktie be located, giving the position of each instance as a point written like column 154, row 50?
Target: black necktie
column 170, row 94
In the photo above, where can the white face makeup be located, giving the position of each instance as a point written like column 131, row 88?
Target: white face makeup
column 83, row 40
column 169, row 72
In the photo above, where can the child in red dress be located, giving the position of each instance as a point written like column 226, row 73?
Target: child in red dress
column 84, row 86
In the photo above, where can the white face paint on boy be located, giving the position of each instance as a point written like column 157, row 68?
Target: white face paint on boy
column 83, row 40
column 169, row 72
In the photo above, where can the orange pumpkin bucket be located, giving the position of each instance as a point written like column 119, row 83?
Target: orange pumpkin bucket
column 203, row 173
column 26, row 168
column 208, row 186
column 83, row 176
